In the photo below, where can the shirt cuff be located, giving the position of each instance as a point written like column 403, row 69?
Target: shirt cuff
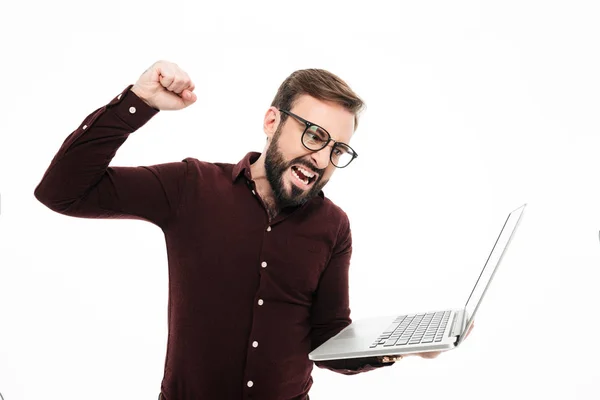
column 132, row 110
column 353, row 366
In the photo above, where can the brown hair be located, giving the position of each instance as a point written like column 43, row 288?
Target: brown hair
column 320, row 84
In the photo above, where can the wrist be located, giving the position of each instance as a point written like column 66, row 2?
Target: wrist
column 139, row 93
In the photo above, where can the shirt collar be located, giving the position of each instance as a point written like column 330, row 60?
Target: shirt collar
column 243, row 167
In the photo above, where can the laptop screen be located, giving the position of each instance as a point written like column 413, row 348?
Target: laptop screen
column 491, row 264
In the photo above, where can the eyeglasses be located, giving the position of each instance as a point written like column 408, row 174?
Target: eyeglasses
column 315, row 138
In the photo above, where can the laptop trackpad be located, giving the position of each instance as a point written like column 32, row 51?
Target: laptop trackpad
column 348, row 334
column 366, row 328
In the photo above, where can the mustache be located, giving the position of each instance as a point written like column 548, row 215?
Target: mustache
column 307, row 165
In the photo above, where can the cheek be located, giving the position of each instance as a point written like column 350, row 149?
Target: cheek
column 289, row 143
column 328, row 172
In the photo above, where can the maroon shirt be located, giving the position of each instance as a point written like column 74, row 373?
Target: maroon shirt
column 248, row 299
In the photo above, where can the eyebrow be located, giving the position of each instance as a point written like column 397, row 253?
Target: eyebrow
column 306, row 121
column 312, row 123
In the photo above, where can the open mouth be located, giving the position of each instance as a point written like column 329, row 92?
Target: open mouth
column 303, row 176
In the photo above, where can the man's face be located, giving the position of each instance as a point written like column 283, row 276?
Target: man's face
column 295, row 173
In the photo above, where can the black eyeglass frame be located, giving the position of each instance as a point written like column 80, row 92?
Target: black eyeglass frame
column 308, row 124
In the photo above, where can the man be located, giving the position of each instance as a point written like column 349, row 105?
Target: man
column 258, row 256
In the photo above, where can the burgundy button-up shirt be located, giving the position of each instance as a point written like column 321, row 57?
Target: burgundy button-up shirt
column 248, row 298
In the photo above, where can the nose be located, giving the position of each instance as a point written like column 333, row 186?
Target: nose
column 321, row 157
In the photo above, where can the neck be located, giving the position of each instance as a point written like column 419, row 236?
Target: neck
column 263, row 188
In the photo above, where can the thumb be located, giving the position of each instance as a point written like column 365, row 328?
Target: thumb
column 188, row 97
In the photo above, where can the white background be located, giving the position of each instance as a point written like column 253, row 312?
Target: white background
column 473, row 108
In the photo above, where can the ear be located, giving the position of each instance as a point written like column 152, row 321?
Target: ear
column 271, row 122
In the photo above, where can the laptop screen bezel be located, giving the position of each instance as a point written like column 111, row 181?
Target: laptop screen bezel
column 470, row 318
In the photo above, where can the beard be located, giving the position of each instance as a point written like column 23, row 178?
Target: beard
column 276, row 166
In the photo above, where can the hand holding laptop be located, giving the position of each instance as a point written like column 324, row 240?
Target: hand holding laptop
column 426, row 354
column 425, row 334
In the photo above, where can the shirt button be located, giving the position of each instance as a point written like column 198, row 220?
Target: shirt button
column 260, row 302
column 250, row 383
column 264, row 264
column 255, row 344
column 84, row 127
column 253, row 192
column 119, row 97
column 268, row 229
column 132, row 110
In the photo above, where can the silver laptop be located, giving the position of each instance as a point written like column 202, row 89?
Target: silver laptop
column 418, row 332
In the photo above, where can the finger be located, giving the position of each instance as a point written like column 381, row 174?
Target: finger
column 188, row 97
column 178, row 84
column 181, row 82
column 470, row 329
column 166, row 79
column 175, row 84
column 430, row 355
column 166, row 74
column 187, row 82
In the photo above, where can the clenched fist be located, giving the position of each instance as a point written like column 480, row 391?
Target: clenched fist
column 165, row 86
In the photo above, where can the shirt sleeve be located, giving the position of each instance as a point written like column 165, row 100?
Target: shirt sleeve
column 80, row 183
column 330, row 311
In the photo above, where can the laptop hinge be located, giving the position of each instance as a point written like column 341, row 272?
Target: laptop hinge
column 459, row 321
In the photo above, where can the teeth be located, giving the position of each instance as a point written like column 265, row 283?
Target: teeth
column 301, row 180
column 305, row 172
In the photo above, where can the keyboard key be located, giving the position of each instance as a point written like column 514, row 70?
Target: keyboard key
column 390, row 329
column 413, row 328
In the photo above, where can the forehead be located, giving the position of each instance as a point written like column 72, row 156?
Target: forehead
column 338, row 121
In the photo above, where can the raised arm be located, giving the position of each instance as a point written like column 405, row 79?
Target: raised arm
column 79, row 181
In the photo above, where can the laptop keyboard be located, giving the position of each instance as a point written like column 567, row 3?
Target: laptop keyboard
column 414, row 329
